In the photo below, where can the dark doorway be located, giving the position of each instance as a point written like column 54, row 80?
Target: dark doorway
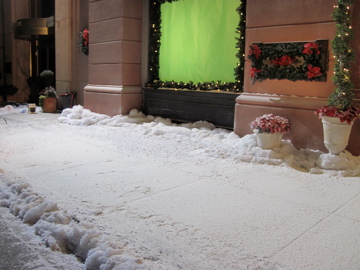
column 43, row 46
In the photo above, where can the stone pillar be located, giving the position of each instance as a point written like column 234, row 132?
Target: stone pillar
column 64, row 43
column 287, row 21
column 354, row 141
column 72, row 16
column 82, row 66
column 17, row 52
column 2, row 53
column 114, row 57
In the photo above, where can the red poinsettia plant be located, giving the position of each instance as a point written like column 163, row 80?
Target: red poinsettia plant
column 313, row 71
column 293, row 61
column 254, row 71
column 269, row 123
column 255, row 50
column 284, row 60
column 311, row 48
column 348, row 115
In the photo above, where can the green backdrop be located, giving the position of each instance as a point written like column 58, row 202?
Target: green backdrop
column 198, row 40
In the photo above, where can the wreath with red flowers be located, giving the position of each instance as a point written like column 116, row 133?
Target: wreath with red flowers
column 292, row 61
column 84, row 41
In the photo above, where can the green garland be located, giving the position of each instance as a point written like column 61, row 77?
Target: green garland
column 343, row 95
column 291, row 61
column 154, row 41
column 154, row 50
column 240, row 45
column 213, row 85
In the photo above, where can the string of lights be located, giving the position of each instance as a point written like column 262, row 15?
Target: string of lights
column 343, row 95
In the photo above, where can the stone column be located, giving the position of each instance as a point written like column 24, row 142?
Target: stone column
column 2, row 39
column 71, row 65
column 63, row 44
column 17, row 51
column 355, row 75
column 82, row 65
column 114, row 56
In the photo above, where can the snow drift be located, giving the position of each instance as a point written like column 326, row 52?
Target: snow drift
column 63, row 232
column 220, row 142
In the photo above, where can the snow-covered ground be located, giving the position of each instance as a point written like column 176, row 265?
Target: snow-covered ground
column 21, row 249
column 140, row 192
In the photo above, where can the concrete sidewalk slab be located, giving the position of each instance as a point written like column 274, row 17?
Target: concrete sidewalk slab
column 334, row 243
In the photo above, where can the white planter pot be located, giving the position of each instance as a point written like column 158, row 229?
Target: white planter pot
column 268, row 140
column 336, row 134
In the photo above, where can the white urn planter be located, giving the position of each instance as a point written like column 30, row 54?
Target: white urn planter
column 269, row 141
column 336, row 134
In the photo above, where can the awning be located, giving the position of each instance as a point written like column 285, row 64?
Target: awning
column 25, row 28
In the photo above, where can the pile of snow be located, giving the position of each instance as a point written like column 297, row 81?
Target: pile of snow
column 219, row 142
column 6, row 110
column 9, row 109
column 64, row 232
column 80, row 116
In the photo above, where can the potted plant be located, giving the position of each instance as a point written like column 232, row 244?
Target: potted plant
column 339, row 115
column 269, row 130
column 48, row 96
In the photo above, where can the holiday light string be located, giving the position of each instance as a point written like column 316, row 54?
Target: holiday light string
column 343, row 95
column 240, row 45
column 339, row 102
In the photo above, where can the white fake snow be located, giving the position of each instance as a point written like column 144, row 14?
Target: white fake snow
column 63, row 231
column 221, row 143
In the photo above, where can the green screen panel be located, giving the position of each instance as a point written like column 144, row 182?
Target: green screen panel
column 198, row 40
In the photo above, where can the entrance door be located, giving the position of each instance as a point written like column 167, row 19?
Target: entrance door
column 42, row 46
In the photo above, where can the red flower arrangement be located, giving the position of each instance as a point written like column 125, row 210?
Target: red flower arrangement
column 86, row 37
column 347, row 116
column 255, row 50
column 269, row 123
column 253, row 72
column 313, row 71
column 310, row 48
column 84, row 41
column 292, row 61
column 285, row 60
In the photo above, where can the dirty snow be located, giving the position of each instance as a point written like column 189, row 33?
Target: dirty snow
column 141, row 192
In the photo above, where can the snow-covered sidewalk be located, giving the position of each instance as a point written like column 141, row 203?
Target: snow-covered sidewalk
column 139, row 192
